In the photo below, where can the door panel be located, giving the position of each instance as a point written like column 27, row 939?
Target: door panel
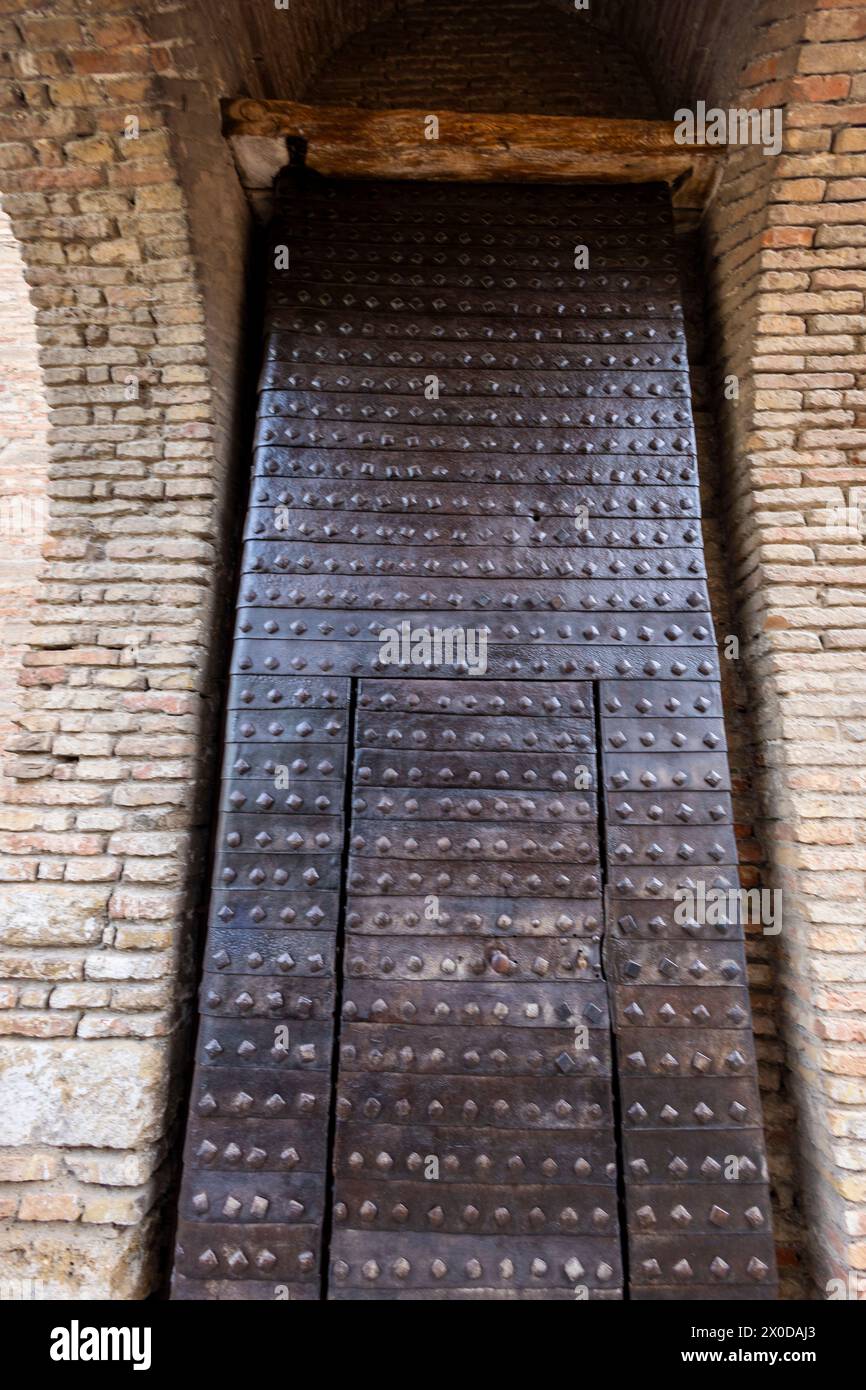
column 697, row 1206
column 461, row 431
column 253, row 1196
column 504, row 1176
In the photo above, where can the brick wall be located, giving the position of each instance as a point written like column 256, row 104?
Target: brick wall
column 788, row 272
column 23, row 427
column 101, row 820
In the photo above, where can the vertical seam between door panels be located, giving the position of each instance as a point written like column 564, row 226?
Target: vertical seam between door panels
column 339, row 978
column 616, row 1098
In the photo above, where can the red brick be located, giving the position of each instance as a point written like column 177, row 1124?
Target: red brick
column 788, row 236
column 50, row 31
column 833, row 88
column 762, row 70
column 125, row 60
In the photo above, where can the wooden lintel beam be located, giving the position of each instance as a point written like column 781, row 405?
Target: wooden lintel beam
column 349, row 142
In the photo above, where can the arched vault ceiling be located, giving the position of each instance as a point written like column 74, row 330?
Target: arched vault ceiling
column 492, row 55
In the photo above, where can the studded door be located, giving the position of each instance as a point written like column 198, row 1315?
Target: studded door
column 458, row 1039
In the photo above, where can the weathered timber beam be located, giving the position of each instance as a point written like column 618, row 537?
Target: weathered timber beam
column 349, row 142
